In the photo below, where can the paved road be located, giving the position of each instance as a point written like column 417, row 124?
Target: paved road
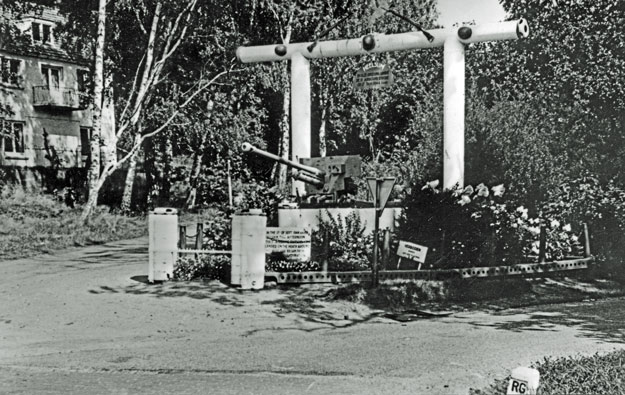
column 84, row 321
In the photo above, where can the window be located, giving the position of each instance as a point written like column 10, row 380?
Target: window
column 46, row 33
column 13, row 134
column 52, row 76
column 82, row 78
column 36, row 32
column 10, row 71
column 42, row 33
column 85, row 140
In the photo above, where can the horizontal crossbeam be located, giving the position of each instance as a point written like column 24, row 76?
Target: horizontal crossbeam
column 509, row 30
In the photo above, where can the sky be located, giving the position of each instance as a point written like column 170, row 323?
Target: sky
column 458, row 11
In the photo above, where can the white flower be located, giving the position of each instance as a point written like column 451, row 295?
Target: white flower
column 574, row 238
column 523, row 211
column 555, row 224
column 468, row 190
column 431, row 185
column 566, row 228
column 535, row 230
column 464, row 199
column 482, row 190
column 498, row 190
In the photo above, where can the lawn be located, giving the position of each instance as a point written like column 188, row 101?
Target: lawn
column 33, row 223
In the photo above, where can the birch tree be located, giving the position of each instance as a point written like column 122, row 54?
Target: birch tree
column 168, row 29
column 94, row 175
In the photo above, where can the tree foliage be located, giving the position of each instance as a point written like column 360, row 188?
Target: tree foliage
column 549, row 106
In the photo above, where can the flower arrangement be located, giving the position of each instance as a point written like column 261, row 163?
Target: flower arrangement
column 476, row 226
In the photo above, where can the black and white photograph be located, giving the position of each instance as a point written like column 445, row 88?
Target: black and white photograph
column 266, row 197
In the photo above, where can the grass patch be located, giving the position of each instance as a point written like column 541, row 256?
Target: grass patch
column 498, row 293
column 34, row 223
column 596, row 374
column 401, row 294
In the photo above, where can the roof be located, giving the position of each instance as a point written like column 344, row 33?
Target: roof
column 41, row 51
column 44, row 52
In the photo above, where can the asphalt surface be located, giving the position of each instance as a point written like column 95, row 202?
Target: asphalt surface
column 85, row 321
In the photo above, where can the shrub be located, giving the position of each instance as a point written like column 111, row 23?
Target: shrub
column 218, row 232
column 342, row 243
column 258, row 195
column 596, row 374
column 478, row 227
column 205, row 267
column 602, row 207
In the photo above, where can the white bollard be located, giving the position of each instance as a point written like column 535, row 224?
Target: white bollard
column 523, row 381
column 163, row 243
column 248, row 250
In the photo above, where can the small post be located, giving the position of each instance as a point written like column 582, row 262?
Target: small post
column 542, row 246
column 199, row 236
column 380, row 189
column 386, row 247
column 326, row 249
column 586, row 241
column 376, row 231
column 230, row 199
column 443, row 244
column 182, row 237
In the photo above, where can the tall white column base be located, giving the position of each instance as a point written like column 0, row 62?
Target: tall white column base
column 453, row 114
column 300, row 113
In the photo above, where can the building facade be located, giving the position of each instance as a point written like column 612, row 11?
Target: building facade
column 45, row 94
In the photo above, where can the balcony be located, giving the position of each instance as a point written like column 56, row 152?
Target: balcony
column 45, row 97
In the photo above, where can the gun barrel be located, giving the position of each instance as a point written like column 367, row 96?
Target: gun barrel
column 307, row 178
column 247, row 147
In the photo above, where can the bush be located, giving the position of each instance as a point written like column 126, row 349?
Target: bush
column 218, row 232
column 342, row 243
column 258, row 195
column 205, row 267
column 477, row 227
column 602, row 207
column 596, row 374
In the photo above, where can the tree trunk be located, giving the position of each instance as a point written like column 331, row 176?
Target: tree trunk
column 130, row 179
column 285, row 132
column 324, row 103
column 94, row 169
column 3, row 132
column 168, row 157
column 279, row 172
column 195, row 173
column 108, row 148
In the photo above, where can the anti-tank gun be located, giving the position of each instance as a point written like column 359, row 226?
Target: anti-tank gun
column 325, row 177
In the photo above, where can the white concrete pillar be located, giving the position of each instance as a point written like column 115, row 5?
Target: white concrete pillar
column 163, row 243
column 300, row 113
column 249, row 231
column 453, row 113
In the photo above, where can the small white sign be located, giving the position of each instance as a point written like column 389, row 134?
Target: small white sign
column 517, row 387
column 373, row 78
column 412, row 251
column 523, row 381
column 294, row 243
